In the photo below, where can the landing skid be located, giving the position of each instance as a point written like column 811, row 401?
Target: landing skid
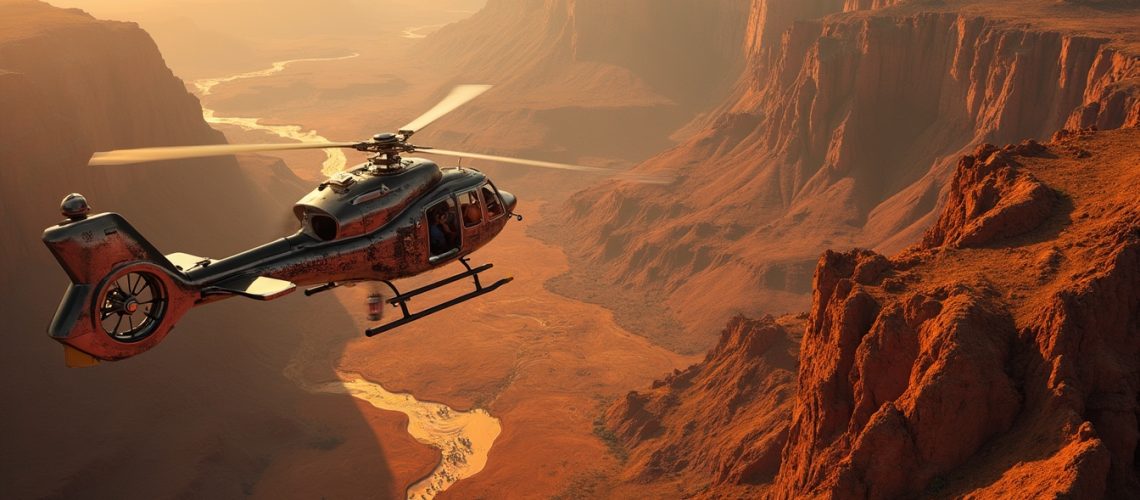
column 401, row 299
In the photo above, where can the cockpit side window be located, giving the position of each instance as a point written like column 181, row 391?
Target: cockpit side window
column 494, row 203
column 443, row 227
column 471, row 209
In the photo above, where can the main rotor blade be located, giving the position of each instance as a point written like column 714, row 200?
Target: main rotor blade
column 507, row 159
column 648, row 179
column 125, row 156
column 458, row 97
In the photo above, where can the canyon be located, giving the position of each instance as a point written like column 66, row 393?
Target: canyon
column 985, row 344
column 175, row 422
column 842, row 131
column 299, row 429
column 995, row 357
column 980, row 339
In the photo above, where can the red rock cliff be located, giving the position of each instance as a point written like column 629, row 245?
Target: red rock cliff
column 725, row 418
column 998, row 357
column 844, row 133
column 1009, row 368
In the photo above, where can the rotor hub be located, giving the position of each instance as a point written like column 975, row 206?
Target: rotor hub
column 132, row 306
column 123, row 302
column 387, row 148
column 386, row 138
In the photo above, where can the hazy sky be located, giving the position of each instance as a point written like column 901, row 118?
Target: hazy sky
column 202, row 38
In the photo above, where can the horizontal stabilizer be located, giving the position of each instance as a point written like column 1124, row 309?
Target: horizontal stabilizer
column 185, row 262
column 256, row 287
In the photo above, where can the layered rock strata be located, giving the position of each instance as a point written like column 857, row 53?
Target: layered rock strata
column 996, row 357
column 844, row 130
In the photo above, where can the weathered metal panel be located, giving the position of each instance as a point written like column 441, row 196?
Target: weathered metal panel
column 362, row 201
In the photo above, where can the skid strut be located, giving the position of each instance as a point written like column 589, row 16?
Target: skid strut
column 401, row 299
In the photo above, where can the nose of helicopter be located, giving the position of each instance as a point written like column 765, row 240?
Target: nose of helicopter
column 509, row 200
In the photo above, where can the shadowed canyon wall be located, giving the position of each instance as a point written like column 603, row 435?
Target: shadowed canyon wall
column 586, row 81
column 73, row 85
column 208, row 413
column 679, row 48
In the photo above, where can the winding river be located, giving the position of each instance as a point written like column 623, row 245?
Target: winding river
column 417, row 32
column 463, row 437
column 335, row 160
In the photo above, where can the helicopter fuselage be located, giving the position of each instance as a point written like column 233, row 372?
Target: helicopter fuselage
column 367, row 224
column 375, row 228
column 389, row 218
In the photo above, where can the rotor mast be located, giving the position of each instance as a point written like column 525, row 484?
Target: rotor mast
column 386, row 149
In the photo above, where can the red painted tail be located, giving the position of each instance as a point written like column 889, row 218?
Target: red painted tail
column 124, row 296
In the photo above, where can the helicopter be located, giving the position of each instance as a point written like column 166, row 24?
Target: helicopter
column 386, row 219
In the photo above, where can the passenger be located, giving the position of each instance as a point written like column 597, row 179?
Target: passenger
column 450, row 227
column 440, row 243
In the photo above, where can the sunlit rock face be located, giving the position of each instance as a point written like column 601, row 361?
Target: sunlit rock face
column 998, row 356
column 844, row 130
column 725, row 418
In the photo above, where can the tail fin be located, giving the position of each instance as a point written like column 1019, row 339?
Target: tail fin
column 124, row 297
column 88, row 249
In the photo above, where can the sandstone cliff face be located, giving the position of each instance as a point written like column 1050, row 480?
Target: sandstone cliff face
column 988, row 197
column 724, row 419
column 769, row 19
column 898, row 391
column 947, row 371
column 997, row 357
column 844, row 133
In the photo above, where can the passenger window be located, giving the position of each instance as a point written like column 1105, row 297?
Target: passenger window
column 494, row 204
column 472, row 212
column 443, row 228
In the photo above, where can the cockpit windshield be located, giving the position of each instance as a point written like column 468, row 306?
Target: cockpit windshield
column 494, row 204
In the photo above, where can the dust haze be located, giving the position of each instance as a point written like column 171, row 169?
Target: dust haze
column 896, row 255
